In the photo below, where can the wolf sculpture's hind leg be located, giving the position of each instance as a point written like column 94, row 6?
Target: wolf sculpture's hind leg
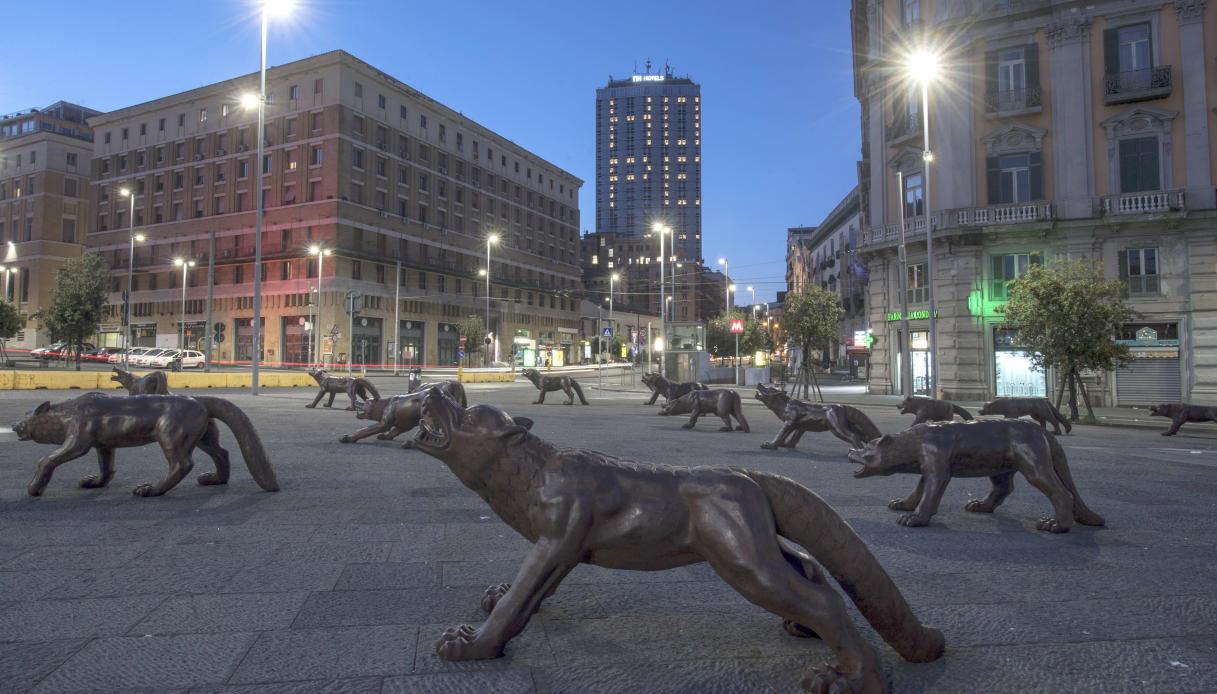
column 177, row 446
column 210, row 444
column 1002, row 486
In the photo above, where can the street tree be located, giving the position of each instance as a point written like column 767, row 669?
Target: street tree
column 10, row 324
column 1068, row 316
column 811, row 318
column 720, row 341
column 80, row 294
column 473, row 327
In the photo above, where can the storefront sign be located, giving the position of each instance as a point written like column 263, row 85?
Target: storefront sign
column 915, row 315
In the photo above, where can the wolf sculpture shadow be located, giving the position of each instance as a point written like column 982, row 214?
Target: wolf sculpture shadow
column 151, row 383
column 355, row 388
column 581, row 506
column 177, row 423
column 547, row 384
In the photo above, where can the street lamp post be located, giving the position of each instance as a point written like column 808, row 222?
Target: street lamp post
column 181, row 332
column 130, row 265
column 924, row 67
column 661, row 230
column 321, row 253
column 612, row 326
column 906, row 369
column 493, row 238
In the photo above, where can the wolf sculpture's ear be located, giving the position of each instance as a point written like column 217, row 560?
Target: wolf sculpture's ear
column 524, row 422
column 515, row 434
column 42, row 408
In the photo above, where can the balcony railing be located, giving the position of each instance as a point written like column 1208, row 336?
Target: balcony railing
column 1014, row 100
column 903, row 126
column 1137, row 85
column 1147, row 202
column 991, row 215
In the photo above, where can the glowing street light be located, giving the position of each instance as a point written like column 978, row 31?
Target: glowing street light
column 130, row 265
column 269, row 7
column 493, row 238
column 924, row 66
column 661, row 230
column 181, row 332
column 321, row 253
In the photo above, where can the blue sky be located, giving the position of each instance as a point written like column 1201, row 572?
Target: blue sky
column 780, row 133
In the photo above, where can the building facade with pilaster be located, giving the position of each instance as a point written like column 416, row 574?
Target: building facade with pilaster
column 401, row 190
column 1057, row 130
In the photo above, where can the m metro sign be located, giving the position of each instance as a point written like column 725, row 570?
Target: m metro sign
column 737, row 326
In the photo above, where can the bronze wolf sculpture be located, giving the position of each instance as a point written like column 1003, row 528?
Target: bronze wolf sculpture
column 151, row 383
column 353, row 387
column 723, row 402
column 1038, row 409
column 669, row 390
column 547, row 384
column 846, row 422
column 176, row 422
column 1181, row 414
column 396, row 415
column 989, row 448
column 931, row 410
column 581, row 506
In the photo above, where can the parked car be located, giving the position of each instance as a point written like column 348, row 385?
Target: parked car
column 190, row 359
column 145, row 358
column 101, row 353
column 132, row 352
column 164, row 359
column 61, row 350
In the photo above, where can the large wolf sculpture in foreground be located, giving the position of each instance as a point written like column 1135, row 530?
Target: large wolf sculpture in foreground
column 580, row 506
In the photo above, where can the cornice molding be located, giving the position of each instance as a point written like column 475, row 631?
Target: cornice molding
column 1190, row 11
column 1073, row 28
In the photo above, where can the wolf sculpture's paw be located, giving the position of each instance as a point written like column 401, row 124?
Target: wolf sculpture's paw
column 770, row 446
column 912, row 520
column 210, row 478
column 464, row 643
column 1168, row 433
column 492, row 596
column 310, row 406
column 142, row 490
column 798, row 630
column 725, row 429
column 1051, row 525
column 91, row 482
column 346, row 438
column 900, row 505
column 826, row 679
column 978, row 506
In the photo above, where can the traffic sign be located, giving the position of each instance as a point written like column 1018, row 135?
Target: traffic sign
column 219, row 326
column 737, row 326
column 463, row 337
column 219, row 338
column 460, row 354
column 608, row 332
column 353, row 303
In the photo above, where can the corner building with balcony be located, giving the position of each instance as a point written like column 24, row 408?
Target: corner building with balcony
column 1057, row 131
column 403, row 191
column 44, row 206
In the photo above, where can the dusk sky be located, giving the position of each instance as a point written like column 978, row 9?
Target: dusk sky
column 780, row 134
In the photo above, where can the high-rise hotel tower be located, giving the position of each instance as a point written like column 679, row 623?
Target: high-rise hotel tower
column 648, row 160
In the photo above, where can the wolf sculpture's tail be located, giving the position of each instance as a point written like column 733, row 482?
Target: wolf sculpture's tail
column 247, row 438
column 578, row 391
column 1062, row 419
column 803, row 517
column 862, row 423
column 961, row 411
column 363, row 388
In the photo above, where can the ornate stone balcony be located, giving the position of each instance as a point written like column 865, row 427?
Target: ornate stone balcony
column 1137, row 85
column 1145, row 202
column 1013, row 101
column 960, row 219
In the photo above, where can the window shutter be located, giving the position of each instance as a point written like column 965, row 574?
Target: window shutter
column 1111, row 51
column 997, row 289
column 1036, row 160
column 1149, row 164
column 1129, row 166
column 1031, row 54
column 993, row 179
column 1122, row 260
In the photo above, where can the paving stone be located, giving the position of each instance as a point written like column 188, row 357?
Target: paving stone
column 364, row 685
column 389, row 575
column 25, row 663
column 49, row 620
column 155, row 662
column 233, row 612
column 325, row 654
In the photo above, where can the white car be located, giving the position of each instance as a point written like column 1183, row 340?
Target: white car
column 190, row 359
column 133, row 352
column 145, row 358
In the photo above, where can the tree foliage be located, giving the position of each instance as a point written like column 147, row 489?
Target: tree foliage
column 1068, row 316
column 80, row 294
column 811, row 318
column 720, row 341
column 10, row 320
column 474, row 329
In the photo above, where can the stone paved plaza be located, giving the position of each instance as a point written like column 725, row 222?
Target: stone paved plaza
column 342, row 581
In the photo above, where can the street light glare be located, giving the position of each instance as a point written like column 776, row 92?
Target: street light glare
column 277, row 8
column 923, row 65
column 249, row 101
column 178, row 261
column 140, row 237
column 493, row 238
column 125, row 192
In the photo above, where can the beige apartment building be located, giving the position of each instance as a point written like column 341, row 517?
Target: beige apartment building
column 403, row 192
column 44, row 205
column 1058, row 130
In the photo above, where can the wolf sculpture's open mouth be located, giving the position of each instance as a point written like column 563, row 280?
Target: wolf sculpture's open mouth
column 431, row 430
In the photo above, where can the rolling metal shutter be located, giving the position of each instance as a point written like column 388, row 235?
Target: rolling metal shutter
column 1149, row 382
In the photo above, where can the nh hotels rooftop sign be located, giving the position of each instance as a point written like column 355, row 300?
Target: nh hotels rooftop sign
column 648, row 78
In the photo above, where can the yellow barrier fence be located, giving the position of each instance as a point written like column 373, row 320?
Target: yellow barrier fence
column 100, row 380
